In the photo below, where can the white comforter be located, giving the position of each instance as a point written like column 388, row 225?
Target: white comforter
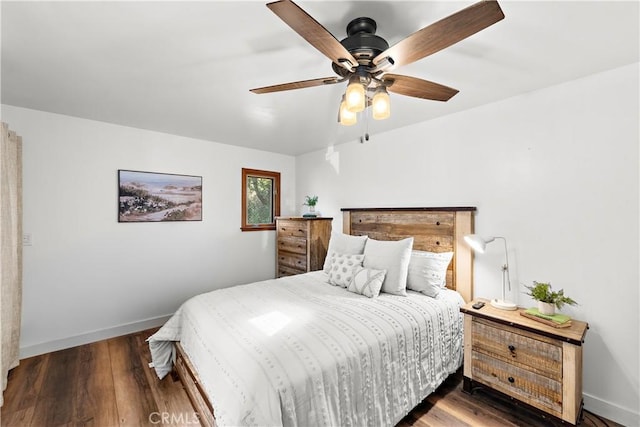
column 298, row 351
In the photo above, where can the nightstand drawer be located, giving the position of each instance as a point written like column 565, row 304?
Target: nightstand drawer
column 503, row 343
column 296, row 245
column 292, row 228
column 536, row 390
column 291, row 260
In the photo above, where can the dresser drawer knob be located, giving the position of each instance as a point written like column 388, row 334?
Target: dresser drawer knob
column 511, row 380
column 512, row 349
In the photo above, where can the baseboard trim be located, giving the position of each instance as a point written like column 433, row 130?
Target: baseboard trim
column 609, row 410
column 92, row 336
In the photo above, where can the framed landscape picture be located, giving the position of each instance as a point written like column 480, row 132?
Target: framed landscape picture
column 153, row 197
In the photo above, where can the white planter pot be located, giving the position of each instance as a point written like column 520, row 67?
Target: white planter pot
column 546, row 308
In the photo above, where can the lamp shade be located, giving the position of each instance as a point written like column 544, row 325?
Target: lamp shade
column 477, row 242
column 381, row 104
column 355, row 95
column 346, row 117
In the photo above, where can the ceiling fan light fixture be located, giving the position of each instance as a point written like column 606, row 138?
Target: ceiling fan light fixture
column 355, row 96
column 381, row 104
column 346, row 117
column 365, row 58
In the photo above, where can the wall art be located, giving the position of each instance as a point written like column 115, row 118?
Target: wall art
column 153, row 197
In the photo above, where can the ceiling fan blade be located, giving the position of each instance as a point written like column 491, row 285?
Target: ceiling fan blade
column 418, row 88
column 297, row 85
column 443, row 33
column 313, row 32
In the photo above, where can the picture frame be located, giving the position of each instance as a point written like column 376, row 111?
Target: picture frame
column 158, row 197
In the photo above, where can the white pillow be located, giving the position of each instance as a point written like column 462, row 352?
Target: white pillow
column 428, row 272
column 343, row 244
column 367, row 282
column 393, row 256
column 343, row 267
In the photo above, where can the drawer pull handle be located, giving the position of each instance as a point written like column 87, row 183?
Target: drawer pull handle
column 300, row 231
column 512, row 349
column 511, row 380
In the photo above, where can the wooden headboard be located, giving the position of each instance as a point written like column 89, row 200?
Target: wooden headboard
column 433, row 230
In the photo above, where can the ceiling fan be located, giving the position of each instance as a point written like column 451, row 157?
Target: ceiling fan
column 365, row 59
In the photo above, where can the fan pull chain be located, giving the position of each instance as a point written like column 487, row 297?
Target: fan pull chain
column 365, row 137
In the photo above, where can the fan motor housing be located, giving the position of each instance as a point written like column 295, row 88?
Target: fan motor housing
column 362, row 43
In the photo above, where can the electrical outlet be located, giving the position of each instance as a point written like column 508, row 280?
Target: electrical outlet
column 26, row 239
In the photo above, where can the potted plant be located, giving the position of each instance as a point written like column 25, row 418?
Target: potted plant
column 548, row 300
column 311, row 201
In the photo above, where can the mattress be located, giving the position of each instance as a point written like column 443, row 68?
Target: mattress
column 298, row 351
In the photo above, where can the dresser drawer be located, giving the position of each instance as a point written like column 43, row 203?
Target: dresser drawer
column 288, row 271
column 536, row 390
column 295, row 245
column 503, row 343
column 292, row 228
column 291, row 260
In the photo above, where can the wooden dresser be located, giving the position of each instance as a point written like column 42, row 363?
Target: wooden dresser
column 539, row 365
column 301, row 244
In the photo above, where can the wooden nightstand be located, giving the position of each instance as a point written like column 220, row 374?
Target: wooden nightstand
column 539, row 365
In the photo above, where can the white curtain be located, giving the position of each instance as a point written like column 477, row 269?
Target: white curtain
column 10, row 250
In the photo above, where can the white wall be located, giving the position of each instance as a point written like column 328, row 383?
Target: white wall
column 88, row 277
column 556, row 172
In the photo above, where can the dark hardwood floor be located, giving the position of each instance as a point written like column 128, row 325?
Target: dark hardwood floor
column 109, row 383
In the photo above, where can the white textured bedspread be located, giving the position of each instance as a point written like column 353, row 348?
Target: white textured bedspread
column 298, row 351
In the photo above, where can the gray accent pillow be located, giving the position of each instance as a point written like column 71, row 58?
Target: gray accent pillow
column 343, row 244
column 367, row 282
column 343, row 267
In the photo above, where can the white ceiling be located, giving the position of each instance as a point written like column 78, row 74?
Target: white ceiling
column 186, row 68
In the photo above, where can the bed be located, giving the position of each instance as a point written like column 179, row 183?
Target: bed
column 299, row 351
